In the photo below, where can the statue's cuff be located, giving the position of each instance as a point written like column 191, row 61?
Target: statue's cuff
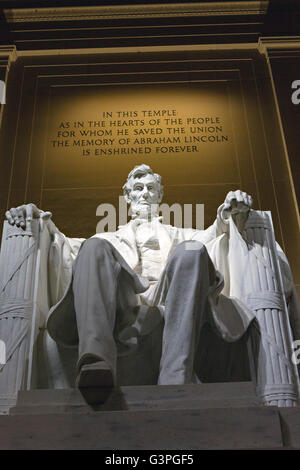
column 223, row 214
column 45, row 214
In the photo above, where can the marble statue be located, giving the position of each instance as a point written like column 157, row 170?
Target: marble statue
column 108, row 291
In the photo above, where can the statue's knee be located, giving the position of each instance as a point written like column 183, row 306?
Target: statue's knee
column 95, row 247
column 190, row 247
column 186, row 252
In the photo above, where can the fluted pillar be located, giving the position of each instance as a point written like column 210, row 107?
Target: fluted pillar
column 7, row 56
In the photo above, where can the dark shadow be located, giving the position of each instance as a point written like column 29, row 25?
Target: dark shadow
column 220, row 361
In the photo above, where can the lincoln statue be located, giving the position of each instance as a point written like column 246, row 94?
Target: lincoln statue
column 112, row 288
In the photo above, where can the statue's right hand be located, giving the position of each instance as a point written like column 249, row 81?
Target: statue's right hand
column 20, row 215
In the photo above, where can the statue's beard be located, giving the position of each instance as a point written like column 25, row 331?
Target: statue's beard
column 143, row 211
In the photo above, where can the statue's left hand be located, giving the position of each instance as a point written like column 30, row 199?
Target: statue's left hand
column 237, row 204
column 238, row 201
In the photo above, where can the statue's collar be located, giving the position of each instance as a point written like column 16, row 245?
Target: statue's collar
column 136, row 221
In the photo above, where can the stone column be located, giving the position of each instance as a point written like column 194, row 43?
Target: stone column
column 283, row 59
column 7, row 55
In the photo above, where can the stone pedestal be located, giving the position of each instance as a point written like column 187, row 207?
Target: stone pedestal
column 204, row 416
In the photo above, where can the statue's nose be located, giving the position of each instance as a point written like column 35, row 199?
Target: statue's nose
column 145, row 192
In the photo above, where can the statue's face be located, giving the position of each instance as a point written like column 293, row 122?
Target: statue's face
column 145, row 192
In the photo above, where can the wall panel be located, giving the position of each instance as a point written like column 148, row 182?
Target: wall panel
column 234, row 84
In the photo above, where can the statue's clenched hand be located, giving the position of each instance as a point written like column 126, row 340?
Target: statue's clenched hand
column 237, row 204
column 238, row 201
column 20, row 215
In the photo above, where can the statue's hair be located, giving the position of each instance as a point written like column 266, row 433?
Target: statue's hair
column 137, row 172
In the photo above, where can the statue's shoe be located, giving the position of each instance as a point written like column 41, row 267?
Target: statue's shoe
column 95, row 382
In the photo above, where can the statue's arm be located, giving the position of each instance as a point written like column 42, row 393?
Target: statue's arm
column 237, row 205
column 25, row 213
column 62, row 251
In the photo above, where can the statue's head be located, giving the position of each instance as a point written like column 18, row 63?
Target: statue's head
column 143, row 190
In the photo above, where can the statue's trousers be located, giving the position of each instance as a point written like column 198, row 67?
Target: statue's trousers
column 103, row 289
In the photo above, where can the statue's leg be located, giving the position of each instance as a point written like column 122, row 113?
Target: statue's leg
column 96, row 275
column 189, row 273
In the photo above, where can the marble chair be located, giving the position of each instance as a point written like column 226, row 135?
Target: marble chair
column 34, row 360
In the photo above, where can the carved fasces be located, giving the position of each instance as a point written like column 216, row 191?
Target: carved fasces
column 270, row 339
column 18, row 263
